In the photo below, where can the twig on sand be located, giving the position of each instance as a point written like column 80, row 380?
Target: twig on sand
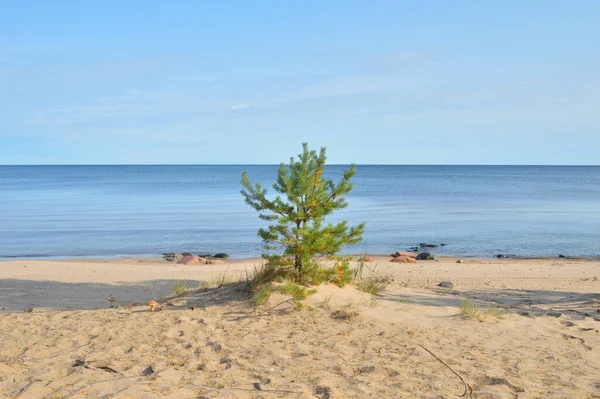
column 85, row 364
column 26, row 387
column 468, row 388
column 581, row 341
column 264, row 311
column 21, row 354
column 273, row 307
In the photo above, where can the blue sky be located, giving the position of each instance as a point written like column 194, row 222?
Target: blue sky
column 391, row 82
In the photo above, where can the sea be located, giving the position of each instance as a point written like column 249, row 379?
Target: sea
column 147, row 210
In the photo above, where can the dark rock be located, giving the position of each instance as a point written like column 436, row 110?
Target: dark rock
column 500, row 256
column 343, row 314
column 186, row 254
column 148, row 371
column 264, row 380
column 425, row 256
column 221, row 255
column 393, row 373
column 323, row 392
column 446, row 284
column 215, row 346
column 554, row 314
column 503, row 381
column 562, row 256
column 443, row 244
column 204, row 255
column 427, row 245
column 366, row 369
column 227, row 363
column 170, row 256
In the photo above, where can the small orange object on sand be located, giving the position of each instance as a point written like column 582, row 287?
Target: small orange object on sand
column 153, row 305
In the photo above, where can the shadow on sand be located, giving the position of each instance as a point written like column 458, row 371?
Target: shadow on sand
column 19, row 295
column 534, row 302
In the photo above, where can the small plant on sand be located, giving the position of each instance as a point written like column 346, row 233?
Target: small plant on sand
column 469, row 308
column 370, row 279
column 295, row 290
column 472, row 310
column 203, row 285
column 180, row 287
column 222, row 279
column 298, row 234
column 261, row 295
column 493, row 311
column 374, row 302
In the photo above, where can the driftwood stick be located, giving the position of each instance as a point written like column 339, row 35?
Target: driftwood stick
column 273, row 307
column 264, row 311
column 581, row 341
column 21, row 354
column 468, row 388
column 26, row 387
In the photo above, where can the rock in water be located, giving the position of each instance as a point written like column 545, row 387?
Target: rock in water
column 425, row 256
column 405, row 253
column 191, row 260
column 221, row 255
column 427, row 245
column 446, row 284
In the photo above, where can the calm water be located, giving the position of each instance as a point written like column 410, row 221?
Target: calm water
column 53, row 211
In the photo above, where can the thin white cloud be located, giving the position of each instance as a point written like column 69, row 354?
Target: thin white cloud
column 241, row 106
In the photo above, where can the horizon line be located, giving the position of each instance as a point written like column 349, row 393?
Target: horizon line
column 278, row 164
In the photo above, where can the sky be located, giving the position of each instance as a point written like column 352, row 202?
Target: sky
column 246, row 82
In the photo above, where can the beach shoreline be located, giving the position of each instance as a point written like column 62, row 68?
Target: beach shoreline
column 534, row 331
column 83, row 283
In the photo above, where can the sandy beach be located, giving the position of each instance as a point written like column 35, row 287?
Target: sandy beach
column 536, row 334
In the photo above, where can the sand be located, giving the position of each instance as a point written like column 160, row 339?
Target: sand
column 536, row 334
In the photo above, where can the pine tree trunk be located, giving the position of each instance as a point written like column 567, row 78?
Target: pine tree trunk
column 297, row 257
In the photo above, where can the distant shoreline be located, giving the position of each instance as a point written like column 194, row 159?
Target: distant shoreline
column 156, row 258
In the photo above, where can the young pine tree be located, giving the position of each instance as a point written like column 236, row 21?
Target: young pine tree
column 298, row 213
